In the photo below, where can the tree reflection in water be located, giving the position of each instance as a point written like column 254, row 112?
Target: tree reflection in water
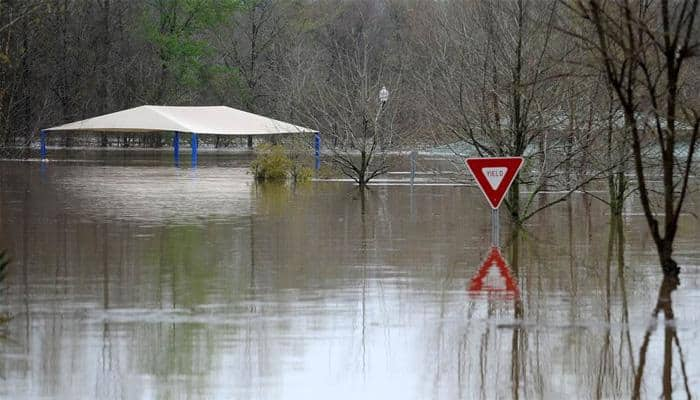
column 519, row 339
column 498, row 282
column 664, row 304
column 324, row 289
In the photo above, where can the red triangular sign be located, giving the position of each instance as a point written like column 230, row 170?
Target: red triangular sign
column 494, row 176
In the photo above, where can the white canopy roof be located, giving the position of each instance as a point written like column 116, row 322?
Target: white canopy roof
column 217, row 120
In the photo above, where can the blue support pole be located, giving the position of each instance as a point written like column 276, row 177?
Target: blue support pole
column 176, row 148
column 194, row 149
column 43, row 145
column 317, row 150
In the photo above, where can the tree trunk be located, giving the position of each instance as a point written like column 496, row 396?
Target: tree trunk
column 361, row 178
column 514, row 201
column 665, row 250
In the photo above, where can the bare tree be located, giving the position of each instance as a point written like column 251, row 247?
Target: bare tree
column 16, row 48
column 643, row 47
column 248, row 47
column 496, row 83
column 349, row 100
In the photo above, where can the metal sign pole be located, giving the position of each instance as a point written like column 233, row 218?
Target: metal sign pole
column 495, row 228
column 494, row 175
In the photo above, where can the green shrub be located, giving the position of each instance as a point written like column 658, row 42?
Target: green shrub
column 271, row 163
column 301, row 173
column 274, row 163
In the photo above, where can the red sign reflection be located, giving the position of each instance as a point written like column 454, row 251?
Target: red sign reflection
column 494, row 277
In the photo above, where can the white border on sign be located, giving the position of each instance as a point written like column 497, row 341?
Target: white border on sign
column 509, row 184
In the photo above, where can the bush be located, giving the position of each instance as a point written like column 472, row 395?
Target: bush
column 271, row 163
column 301, row 173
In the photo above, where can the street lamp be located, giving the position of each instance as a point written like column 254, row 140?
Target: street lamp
column 383, row 95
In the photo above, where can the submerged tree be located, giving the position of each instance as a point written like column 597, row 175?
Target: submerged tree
column 644, row 49
column 495, row 78
column 350, row 103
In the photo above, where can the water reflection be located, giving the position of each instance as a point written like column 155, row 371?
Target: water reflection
column 494, row 278
column 664, row 305
column 215, row 287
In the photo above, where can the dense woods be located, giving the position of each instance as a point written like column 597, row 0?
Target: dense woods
column 584, row 90
column 64, row 60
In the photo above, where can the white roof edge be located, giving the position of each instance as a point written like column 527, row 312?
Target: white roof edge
column 212, row 120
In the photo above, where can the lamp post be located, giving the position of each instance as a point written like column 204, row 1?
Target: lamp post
column 383, row 96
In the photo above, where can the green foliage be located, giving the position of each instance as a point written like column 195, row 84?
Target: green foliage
column 175, row 27
column 271, row 163
column 275, row 163
column 299, row 152
column 301, row 173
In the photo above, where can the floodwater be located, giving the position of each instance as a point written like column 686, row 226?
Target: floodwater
column 132, row 279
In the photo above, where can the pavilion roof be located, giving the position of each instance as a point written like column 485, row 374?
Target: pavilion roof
column 216, row 120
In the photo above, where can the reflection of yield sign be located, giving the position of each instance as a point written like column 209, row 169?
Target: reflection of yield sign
column 494, row 176
column 494, row 276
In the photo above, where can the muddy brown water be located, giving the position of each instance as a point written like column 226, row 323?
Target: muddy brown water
column 133, row 279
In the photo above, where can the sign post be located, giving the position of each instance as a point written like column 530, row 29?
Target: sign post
column 494, row 175
column 495, row 228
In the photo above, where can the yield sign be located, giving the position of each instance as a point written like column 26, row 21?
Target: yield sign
column 494, row 176
column 494, row 277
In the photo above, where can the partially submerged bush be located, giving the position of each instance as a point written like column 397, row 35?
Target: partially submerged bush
column 301, row 173
column 272, row 163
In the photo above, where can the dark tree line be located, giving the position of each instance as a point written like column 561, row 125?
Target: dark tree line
column 63, row 60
